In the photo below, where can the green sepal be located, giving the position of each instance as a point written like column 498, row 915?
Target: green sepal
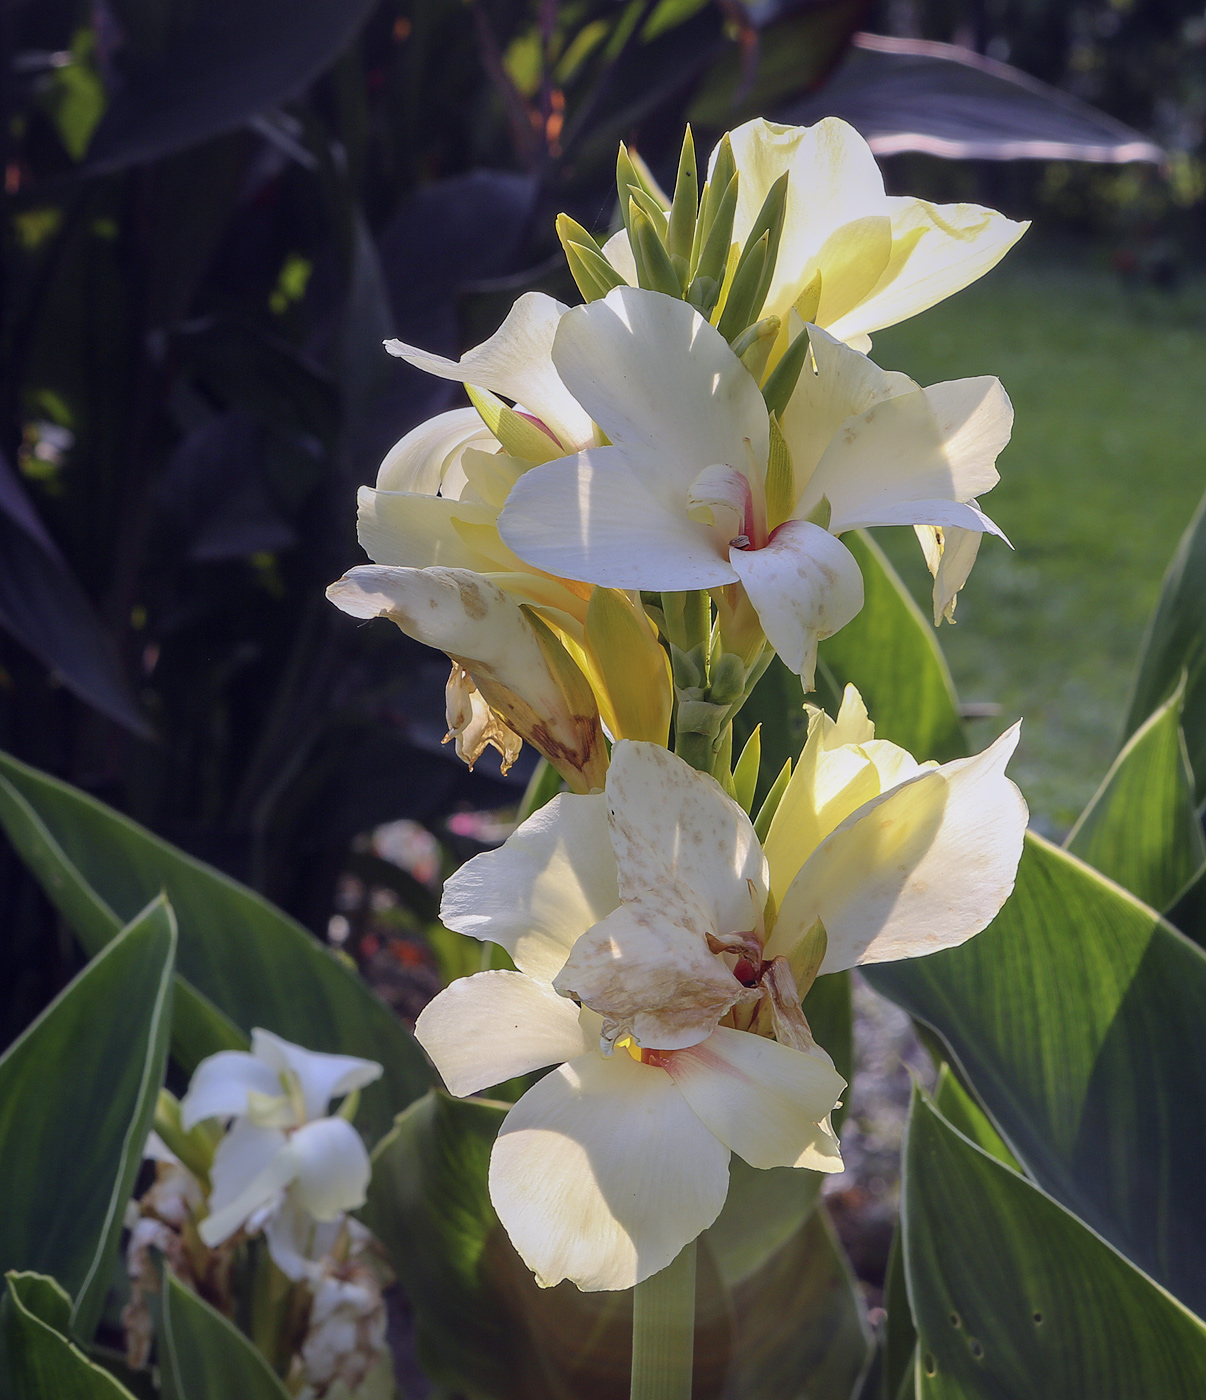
column 742, row 304
column 685, row 208
column 782, row 380
column 745, row 774
column 656, row 271
column 770, row 805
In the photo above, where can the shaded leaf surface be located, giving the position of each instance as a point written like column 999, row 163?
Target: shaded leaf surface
column 916, row 95
column 1077, row 1018
column 205, row 1355
column 243, row 955
column 41, row 1359
column 192, row 72
column 77, row 1098
column 44, row 607
column 1175, row 644
column 1014, row 1297
column 1141, row 827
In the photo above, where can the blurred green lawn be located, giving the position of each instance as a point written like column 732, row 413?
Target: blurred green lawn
column 1107, row 462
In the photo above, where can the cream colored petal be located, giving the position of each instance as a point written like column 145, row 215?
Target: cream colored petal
column 330, row 1167
column 650, row 977
column 851, row 261
column 937, row 250
column 664, row 386
column 949, row 553
column 487, row 1028
column 764, row 1100
column 893, row 764
column 833, row 181
column 320, row 1076
column 835, row 384
column 922, row 867
column 593, row 517
column 250, row 1171
column 826, row 785
column 853, row 724
column 618, row 251
column 601, row 1174
column 516, row 361
column 672, row 826
column 804, row 586
column 934, row 444
column 221, row 1084
column 422, row 459
column 417, row 532
column 542, row 889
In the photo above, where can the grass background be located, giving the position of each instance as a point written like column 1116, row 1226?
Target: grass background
column 1106, row 465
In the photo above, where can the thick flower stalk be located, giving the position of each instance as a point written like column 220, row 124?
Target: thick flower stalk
column 661, row 956
column 705, row 487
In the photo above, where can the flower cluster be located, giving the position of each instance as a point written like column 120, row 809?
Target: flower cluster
column 643, row 505
column 257, row 1154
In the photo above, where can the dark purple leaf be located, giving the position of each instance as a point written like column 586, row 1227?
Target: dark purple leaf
column 45, row 609
column 226, row 62
column 914, row 95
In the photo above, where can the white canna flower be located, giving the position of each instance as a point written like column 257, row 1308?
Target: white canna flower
column 284, row 1165
column 637, row 920
column 851, row 258
column 696, row 491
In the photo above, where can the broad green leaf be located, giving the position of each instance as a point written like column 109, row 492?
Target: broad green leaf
column 1014, row 1296
column 77, row 1097
column 1077, row 1018
column 1141, row 827
column 900, row 1336
column 237, row 952
column 774, row 1297
column 961, row 1111
column 891, row 654
column 204, row 1356
column 42, row 1363
column 1175, row 646
column 800, row 1328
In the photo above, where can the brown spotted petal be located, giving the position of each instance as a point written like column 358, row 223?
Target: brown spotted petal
column 523, row 672
column 650, row 977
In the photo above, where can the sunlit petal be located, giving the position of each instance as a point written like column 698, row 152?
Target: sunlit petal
column 804, row 585
column 484, row 1029
column 329, row 1167
column 593, row 517
column 602, row 1173
column 924, row 866
column 546, row 885
column 516, row 361
column 764, row 1100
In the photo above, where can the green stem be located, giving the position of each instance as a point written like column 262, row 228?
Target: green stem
column 663, row 1331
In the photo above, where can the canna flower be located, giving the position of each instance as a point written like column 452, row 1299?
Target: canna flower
column 283, row 1166
column 436, row 504
column 517, row 667
column 702, row 488
column 661, row 953
column 851, row 258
